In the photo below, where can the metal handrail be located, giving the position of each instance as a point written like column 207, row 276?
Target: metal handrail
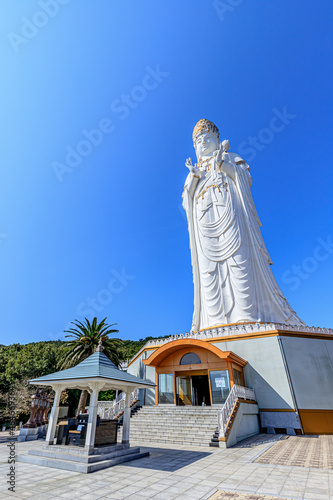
column 224, row 414
column 111, row 409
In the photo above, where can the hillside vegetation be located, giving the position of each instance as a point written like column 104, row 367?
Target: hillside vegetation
column 21, row 362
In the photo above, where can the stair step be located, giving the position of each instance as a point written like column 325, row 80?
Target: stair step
column 176, row 424
column 157, row 427
column 179, row 432
column 82, row 458
column 76, row 466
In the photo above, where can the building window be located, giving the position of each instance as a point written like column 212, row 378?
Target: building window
column 219, row 381
column 190, row 359
column 238, row 376
column 165, row 389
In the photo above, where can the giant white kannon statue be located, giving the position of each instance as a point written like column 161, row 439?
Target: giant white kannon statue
column 233, row 281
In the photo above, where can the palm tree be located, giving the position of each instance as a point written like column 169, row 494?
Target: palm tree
column 86, row 337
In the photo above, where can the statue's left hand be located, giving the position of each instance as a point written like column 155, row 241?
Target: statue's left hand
column 222, row 155
column 225, row 158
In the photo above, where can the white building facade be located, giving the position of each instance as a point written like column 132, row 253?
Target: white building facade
column 290, row 369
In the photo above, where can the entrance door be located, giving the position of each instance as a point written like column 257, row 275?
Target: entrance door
column 201, row 396
column 184, row 390
column 192, row 390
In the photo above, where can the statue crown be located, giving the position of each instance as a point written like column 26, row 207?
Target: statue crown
column 205, row 126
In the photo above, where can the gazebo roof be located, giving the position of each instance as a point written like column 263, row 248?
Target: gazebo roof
column 94, row 368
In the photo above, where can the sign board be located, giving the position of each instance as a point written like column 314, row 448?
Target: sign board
column 220, row 382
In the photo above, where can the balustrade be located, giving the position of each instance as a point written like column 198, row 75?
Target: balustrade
column 237, row 392
column 110, row 410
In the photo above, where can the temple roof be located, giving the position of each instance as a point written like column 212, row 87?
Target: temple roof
column 97, row 366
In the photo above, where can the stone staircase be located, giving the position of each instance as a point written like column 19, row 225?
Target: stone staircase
column 79, row 459
column 194, row 425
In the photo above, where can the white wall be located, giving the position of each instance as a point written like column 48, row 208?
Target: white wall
column 264, row 372
column 139, row 369
column 310, row 363
column 245, row 424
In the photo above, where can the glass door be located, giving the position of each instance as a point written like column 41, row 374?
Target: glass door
column 184, row 390
column 165, row 389
column 220, row 386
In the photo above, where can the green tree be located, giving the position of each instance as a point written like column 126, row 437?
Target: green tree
column 24, row 362
column 85, row 339
column 106, row 395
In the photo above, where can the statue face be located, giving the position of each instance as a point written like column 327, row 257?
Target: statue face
column 206, row 144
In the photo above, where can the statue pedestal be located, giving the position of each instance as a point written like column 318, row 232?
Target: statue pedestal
column 40, row 431
column 28, row 434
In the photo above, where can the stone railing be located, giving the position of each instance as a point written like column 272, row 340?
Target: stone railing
column 237, row 329
column 224, row 414
column 111, row 409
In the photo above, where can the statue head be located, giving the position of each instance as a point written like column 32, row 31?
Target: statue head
column 206, row 138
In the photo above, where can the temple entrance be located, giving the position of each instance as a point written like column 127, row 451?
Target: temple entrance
column 193, row 390
column 201, row 396
column 191, row 372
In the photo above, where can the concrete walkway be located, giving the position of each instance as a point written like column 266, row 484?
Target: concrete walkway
column 173, row 472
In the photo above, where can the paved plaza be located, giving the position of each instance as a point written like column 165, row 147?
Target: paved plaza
column 303, row 451
column 231, row 495
column 181, row 472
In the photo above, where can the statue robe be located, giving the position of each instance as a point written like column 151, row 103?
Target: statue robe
column 233, row 281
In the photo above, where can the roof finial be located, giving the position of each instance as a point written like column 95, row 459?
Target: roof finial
column 100, row 347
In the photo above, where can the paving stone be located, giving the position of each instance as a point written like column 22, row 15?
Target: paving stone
column 165, row 495
column 233, row 495
column 301, row 451
column 176, row 471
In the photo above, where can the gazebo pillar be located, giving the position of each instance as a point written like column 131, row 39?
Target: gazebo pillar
column 127, row 418
column 54, row 415
column 92, row 419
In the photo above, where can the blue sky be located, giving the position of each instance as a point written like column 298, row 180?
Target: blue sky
column 98, row 103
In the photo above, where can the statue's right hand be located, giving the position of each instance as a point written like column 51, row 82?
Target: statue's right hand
column 193, row 168
column 188, row 163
